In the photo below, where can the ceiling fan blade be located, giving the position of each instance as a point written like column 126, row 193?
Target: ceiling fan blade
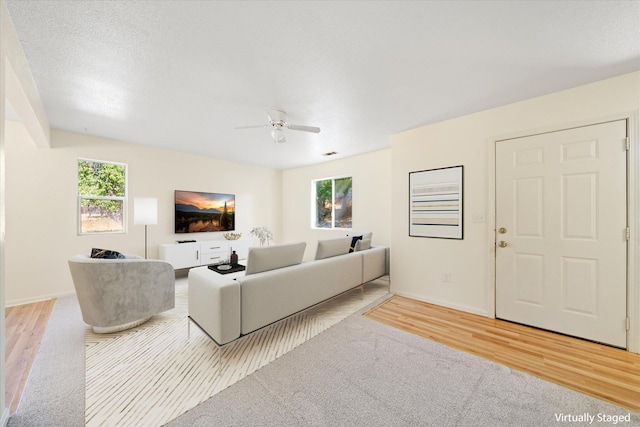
column 251, row 127
column 304, row 128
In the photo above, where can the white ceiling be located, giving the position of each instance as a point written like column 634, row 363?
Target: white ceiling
column 183, row 74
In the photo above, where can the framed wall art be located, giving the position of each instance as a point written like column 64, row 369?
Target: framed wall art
column 435, row 203
column 197, row 212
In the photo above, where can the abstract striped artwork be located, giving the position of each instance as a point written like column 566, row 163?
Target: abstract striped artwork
column 436, row 203
column 149, row 375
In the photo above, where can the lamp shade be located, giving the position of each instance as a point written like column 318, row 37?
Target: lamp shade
column 145, row 210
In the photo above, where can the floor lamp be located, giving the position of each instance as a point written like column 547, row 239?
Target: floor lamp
column 145, row 211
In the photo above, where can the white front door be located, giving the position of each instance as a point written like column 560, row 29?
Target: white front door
column 561, row 218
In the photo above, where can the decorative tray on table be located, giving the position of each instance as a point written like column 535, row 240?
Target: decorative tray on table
column 227, row 268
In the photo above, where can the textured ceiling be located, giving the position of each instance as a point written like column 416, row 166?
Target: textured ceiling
column 183, row 74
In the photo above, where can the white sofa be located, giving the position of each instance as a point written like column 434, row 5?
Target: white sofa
column 277, row 284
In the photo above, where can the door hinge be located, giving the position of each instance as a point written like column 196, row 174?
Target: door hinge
column 628, row 323
column 628, row 233
column 627, row 143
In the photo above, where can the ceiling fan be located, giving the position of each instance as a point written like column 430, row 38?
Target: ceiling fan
column 277, row 122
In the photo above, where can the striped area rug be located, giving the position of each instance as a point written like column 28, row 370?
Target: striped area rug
column 151, row 374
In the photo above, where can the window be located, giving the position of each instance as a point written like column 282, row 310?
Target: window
column 102, row 196
column 333, row 201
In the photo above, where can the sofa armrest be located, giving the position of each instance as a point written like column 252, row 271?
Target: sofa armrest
column 374, row 263
column 214, row 304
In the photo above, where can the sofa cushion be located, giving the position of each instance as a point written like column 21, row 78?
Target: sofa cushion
column 273, row 295
column 332, row 247
column 362, row 245
column 106, row 254
column 272, row 257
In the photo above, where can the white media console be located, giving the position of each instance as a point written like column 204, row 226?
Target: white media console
column 205, row 252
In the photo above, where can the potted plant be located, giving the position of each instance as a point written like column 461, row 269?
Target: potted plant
column 263, row 234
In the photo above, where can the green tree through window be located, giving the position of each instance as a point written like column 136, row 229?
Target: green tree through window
column 102, row 195
column 333, row 202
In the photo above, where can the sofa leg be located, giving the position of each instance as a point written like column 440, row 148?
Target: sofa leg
column 362, row 291
column 219, row 348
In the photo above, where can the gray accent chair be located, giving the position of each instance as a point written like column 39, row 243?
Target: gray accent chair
column 118, row 294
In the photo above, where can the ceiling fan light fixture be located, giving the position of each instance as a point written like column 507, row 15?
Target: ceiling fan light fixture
column 277, row 134
column 278, row 122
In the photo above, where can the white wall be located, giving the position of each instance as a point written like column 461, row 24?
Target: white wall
column 418, row 264
column 18, row 87
column 371, row 175
column 41, row 214
column 41, row 195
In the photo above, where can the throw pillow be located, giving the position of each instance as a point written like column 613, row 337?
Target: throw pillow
column 106, row 254
column 354, row 242
column 362, row 245
column 332, row 247
column 364, row 234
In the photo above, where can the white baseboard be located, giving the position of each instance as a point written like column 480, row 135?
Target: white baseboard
column 448, row 304
column 36, row 299
column 4, row 417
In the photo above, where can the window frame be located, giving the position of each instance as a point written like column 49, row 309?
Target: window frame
column 314, row 212
column 81, row 197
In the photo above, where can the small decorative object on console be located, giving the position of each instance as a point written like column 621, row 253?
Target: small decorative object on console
column 232, row 236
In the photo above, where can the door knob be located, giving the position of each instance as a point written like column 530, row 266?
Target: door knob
column 502, row 230
column 502, row 244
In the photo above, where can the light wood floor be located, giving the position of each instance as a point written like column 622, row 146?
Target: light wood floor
column 25, row 325
column 607, row 373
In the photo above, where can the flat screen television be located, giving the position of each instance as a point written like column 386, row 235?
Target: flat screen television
column 202, row 212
